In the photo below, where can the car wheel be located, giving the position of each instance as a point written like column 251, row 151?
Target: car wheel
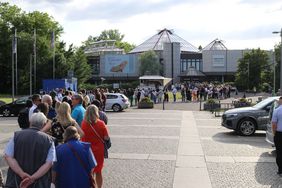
column 247, row 127
column 116, row 108
column 6, row 112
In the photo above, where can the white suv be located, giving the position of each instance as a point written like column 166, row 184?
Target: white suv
column 116, row 102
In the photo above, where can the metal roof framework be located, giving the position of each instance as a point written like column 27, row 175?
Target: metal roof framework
column 164, row 36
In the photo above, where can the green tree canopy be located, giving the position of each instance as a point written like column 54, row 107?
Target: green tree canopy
column 12, row 17
column 82, row 70
column 111, row 34
column 277, row 52
column 150, row 64
column 253, row 70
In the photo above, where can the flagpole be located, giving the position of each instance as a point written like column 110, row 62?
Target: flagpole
column 16, row 60
column 34, row 56
column 13, row 74
column 30, row 74
column 54, row 53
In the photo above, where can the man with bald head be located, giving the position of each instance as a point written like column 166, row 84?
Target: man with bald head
column 48, row 99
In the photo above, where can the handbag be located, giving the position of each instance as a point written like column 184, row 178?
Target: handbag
column 107, row 143
column 91, row 178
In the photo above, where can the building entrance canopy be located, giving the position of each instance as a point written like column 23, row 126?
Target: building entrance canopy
column 152, row 81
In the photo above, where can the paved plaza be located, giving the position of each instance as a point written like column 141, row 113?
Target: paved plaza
column 172, row 148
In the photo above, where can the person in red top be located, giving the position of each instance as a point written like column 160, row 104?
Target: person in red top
column 91, row 121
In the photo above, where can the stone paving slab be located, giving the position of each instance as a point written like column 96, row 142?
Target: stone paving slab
column 191, row 170
column 251, row 175
column 191, row 177
column 142, row 156
column 150, row 115
column 149, row 131
column 214, row 148
column 145, row 122
column 138, row 173
column 145, row 137
column 190, row 162
column 141, row 146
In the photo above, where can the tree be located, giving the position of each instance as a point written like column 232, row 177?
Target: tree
column 277, row 52
column 111, row 34
column 12, row 17
column 253, row 70
column 82, row 70
column 150, row 63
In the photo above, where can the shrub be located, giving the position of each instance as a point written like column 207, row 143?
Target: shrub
column 211, row 101
column 146, row 100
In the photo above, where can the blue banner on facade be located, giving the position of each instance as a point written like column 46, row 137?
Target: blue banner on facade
column 119, row 64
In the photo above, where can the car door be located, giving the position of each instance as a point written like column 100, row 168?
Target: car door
column 109, row 101
column 263, row 116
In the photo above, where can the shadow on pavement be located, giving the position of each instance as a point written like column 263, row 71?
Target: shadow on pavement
column 257, row 140
column 265, row 172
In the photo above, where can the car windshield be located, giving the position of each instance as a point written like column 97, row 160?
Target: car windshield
column 263, row 103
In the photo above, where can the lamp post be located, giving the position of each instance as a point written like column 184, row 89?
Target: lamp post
column 280, row 32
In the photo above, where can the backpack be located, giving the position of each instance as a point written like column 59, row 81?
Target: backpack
column 23, row 118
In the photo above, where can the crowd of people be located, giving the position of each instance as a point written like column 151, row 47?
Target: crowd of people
column 62, row 141
column 190, row 92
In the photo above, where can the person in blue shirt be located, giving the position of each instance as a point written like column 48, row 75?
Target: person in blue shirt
column 75, row 162
column 277, row 132
column 78, row 110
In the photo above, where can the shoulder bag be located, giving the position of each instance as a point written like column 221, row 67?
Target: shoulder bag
column 107, row 143
column 91, row 178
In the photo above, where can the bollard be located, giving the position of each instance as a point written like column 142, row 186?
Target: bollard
column 200, row 104
column 163, row 104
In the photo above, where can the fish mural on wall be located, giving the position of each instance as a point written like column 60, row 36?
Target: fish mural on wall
column 120, row 67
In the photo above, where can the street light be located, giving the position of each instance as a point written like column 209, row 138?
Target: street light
column 280, row 32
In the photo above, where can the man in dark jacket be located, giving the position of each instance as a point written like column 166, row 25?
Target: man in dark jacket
column 30, row 155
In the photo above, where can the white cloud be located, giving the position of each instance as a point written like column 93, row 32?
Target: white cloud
column 241, row 23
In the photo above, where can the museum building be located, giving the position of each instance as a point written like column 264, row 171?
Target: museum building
column 181, row 60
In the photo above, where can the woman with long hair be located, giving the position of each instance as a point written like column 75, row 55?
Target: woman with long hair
column 62, row 121
column 95, row 130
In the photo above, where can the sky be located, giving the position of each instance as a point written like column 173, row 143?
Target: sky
column 240, row 24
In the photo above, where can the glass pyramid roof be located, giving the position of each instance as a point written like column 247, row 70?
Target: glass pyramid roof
column 164, row 36
column 215, row 45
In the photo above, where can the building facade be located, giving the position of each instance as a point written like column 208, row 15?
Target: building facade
column 181, row 61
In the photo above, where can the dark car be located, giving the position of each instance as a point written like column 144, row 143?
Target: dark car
column 13, row 108
column 247, row 120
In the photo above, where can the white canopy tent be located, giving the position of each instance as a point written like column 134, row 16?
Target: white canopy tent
column 153, row 81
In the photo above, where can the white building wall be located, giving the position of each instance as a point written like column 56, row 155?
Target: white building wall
column 229, row 61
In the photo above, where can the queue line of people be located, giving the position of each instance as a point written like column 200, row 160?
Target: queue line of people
column 65, row 143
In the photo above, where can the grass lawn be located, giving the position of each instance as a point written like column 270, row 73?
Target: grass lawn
column 5, row 98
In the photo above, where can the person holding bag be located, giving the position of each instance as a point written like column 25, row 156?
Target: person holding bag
column 95, row 132
column 75, row 162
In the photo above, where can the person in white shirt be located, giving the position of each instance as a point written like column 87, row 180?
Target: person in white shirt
column 36, row 100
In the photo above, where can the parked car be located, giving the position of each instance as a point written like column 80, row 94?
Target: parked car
column 247, row 120
column 116, row 102
column 13, row 108
column 269, row 134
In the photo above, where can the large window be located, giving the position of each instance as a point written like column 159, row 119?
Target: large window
column 190, row 63
column 218, row 60
column 95, row 65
